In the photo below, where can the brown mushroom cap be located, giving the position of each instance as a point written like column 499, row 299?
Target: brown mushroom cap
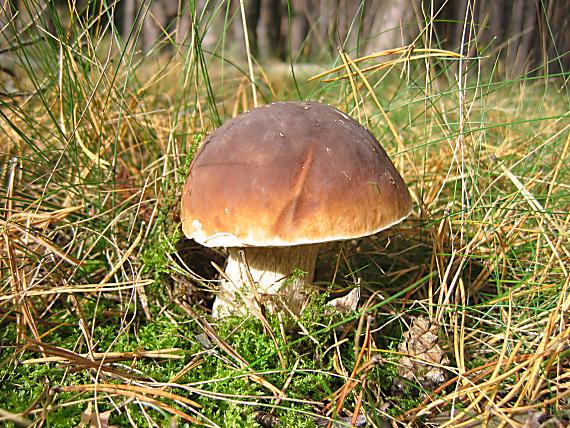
column 291, row 173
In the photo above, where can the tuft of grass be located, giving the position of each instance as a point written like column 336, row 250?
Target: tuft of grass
column 104, row 306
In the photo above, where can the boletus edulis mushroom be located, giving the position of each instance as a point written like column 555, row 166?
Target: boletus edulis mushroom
column 274, row 183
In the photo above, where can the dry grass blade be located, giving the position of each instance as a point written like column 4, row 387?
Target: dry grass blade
column 535, row 205
column 347, row 65
column 42, row 219
column 357, row 377
column 108, row 287
column 19, row 286
column 248, row 52
column 76, row 359
column 49, row 246
column 111, row 357
column 17, row 419
column 139, row 393
column 406, row 55
column 124, row 257
column 133, row 388
column 372, row 93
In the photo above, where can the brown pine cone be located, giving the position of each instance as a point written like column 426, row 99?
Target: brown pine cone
column 423, row 355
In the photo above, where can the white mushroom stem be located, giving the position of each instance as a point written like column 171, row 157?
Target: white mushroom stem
column 267, row 276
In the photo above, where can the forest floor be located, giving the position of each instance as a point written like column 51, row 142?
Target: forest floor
column 105, row 306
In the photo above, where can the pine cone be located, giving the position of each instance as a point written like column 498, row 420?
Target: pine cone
column 421, row 343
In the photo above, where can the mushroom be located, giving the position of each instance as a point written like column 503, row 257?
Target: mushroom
column 274, row 183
